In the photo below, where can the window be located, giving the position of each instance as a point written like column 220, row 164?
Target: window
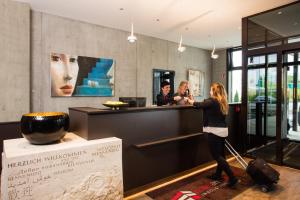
column 256, row 60
column 294, row 39
column 234, row 74
column 272, row 58
column 237, row 58
column 235, row 86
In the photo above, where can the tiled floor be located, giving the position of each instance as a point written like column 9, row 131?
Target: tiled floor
column 287, row 188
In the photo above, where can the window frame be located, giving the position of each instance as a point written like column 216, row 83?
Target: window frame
column 230, row 68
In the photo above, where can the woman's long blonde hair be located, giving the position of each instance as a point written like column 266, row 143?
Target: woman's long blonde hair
column 219, row 93
column 180, row 85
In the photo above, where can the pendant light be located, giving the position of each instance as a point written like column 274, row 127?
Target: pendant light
column 213, row 55
column 180, row 47
column 132, row 38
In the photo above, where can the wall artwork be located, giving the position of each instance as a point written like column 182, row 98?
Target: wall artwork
column 73, row 75
column 196, row 82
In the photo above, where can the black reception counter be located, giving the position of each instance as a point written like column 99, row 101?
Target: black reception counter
column 158, row 142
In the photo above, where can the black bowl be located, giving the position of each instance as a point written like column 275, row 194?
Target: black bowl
column 44, row 127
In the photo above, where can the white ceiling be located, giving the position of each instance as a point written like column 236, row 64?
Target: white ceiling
column 207, row 21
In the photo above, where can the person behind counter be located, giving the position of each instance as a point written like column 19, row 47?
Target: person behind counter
column 215, row 110
column 165, row 98
column 183, row 95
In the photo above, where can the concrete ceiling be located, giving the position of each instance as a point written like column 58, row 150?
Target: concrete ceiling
column 200, row 22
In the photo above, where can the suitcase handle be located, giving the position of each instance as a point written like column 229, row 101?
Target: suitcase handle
column 237, row 156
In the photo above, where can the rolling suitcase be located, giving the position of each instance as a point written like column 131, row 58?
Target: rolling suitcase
column 258, row 169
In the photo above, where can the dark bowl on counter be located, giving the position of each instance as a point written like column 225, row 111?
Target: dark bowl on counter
column 44, row 127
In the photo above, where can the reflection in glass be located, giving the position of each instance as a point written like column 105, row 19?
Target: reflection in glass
column 291, row 134
column 256, row 60
column 271, row 103
column 256, row 33
column 289, row 57
column 274, row 27
column 272, row 58
column 294, row 39
column 290, row 91
column 256, row 97
column 272, row 44
column 261, row 123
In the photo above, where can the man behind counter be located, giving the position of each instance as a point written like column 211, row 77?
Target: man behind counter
column 165, row 98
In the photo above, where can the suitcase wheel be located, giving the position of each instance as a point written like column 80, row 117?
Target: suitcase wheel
column 265, row 188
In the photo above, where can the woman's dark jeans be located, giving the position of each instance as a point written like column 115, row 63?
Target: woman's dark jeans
column 216, row 146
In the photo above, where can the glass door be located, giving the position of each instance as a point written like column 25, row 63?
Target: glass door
column 261, row 127
column 256, row 105
column 291, row 121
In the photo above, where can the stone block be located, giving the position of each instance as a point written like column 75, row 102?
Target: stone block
column 71, row 169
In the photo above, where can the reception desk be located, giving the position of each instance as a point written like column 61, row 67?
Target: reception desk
column 157, row 141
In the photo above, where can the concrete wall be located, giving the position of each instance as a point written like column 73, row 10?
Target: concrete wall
column 219, row 68
column 15, row 60
column 134, row 62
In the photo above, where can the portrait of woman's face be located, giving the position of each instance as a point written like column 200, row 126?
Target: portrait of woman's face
column 64, row 72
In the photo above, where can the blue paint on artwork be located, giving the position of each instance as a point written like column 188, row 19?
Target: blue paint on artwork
column 98, row 81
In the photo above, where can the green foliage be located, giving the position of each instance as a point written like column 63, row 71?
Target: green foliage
column 261, row 82
column 236, row 97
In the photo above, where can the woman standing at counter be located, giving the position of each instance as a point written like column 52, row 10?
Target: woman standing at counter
column 183, row 95
column 215, row 110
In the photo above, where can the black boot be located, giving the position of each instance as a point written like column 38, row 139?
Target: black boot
column 215, row 177
column 232, row 182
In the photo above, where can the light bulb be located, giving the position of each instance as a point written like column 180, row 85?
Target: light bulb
column 132, row 38
column 181, row 49
column 213, row 55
